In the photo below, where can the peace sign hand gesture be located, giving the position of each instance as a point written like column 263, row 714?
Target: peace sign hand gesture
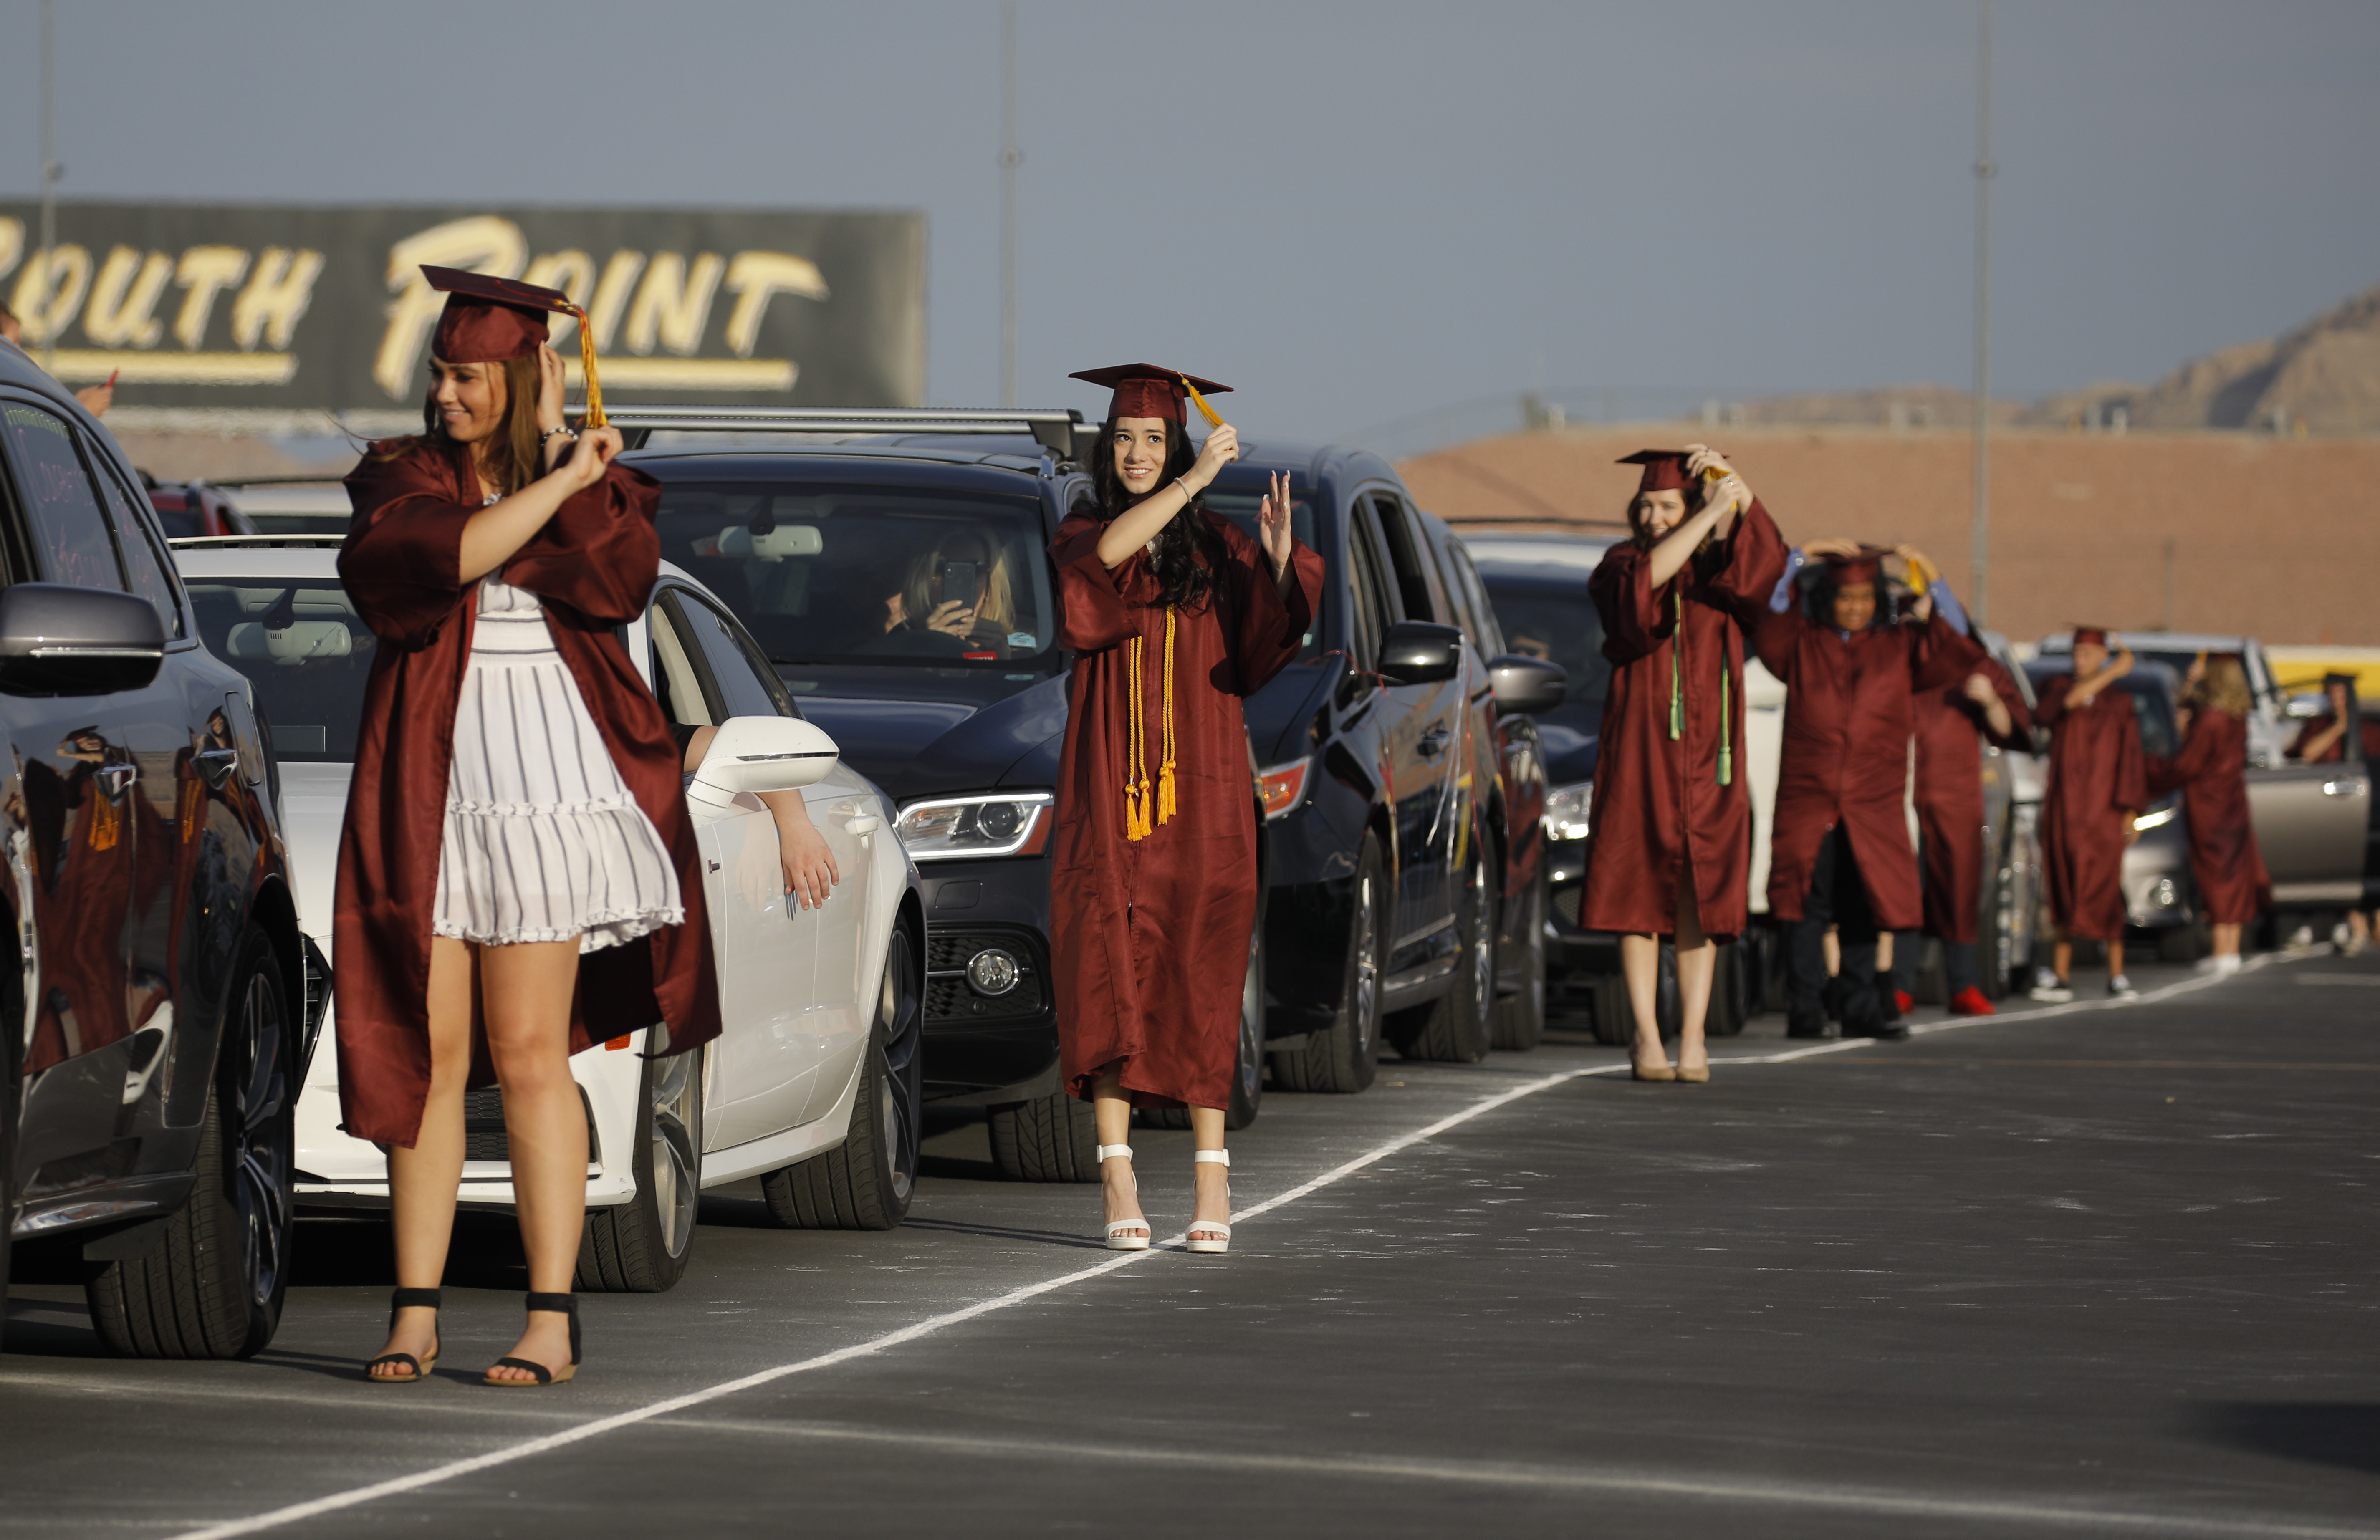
column 1272, row 525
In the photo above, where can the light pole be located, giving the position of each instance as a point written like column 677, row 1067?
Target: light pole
column 1982, row 519
column 1011, row 157
column 49, row 179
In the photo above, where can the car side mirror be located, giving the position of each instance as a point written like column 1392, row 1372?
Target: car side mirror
column 764, row 754
column 1418, row 652
column 58, row 639
column 1525, row 685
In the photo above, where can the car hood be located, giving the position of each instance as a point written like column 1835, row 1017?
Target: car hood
column 314, row 807
column 1569, row 753
column 914, row 748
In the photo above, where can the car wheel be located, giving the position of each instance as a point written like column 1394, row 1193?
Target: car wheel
column 213, row 1284
column 641, row 1247
column 1615, row 1017
column 1730, row 1002
column 1999, row 948
column 1456, row 1027
column 1344, row 1056
column 868, row 1181
column 1249, row 1067
column 1052, row 1138
column 1520, row 1015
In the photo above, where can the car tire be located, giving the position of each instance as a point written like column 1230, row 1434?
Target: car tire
column 1459, row 1025
column 1730, row 1002
column 1520, row 1022
column 1052, row 1138
column 1249, row 1067
column 1615, row 1015
column 867, row 1181
column 1343, row 1057
column 642, row 1246
column 214, row 1285
column 1997, row 949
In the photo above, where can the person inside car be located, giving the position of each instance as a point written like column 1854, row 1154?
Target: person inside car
column 1838, row 852
column 2323, row 741
column 2098, row 784
column 1173, row 615
column 1671, row 852
column 2212, row 773
column 558, row 903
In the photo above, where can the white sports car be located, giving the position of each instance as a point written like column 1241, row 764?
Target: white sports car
column 813, row 1083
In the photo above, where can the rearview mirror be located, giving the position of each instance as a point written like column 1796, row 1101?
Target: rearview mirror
column 1523, row 684
column 1418, row 652
column 764, row 754
column 57, row 639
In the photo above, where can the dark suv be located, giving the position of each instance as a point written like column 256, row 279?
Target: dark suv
column 158, row 1027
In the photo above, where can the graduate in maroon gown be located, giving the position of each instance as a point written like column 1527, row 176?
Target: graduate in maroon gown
column 2098, row 784
column 1172, row 615
column 2211, row 774
column 1952, row 724
column 1839, row 847
column 498, row 507
column 1672, row 851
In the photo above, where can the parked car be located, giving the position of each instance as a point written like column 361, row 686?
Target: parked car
column 289, row 504
column 164, row 1005
column 806, row 523
column 812, row 1086
column 2313, row 822
column 189, row 510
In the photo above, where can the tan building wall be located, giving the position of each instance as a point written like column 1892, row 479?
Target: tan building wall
column 2275, row 537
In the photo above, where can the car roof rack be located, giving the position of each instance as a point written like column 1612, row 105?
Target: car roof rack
column 1052, row 429
column 265, row 542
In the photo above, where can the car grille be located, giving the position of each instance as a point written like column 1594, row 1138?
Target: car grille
column 1567, row 899
column 483, row 1126
column 950, row 999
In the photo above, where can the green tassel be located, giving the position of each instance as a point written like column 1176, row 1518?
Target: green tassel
column 1677, row 651
column 1726, row 729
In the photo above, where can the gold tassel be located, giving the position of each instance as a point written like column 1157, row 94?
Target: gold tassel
column 595, row 418
column 1136, row 766
column 1165, row 771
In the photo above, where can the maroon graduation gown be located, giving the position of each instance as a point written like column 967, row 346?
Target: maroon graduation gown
column 1149, row 937
column 2097, row 779
column 1848, row 721
column 1951, row 732
column 593, row 565
column 2315, row 727
column 1660, row 800
column 2211, row 772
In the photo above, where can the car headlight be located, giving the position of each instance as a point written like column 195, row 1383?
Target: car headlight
column 950, row 828
column 1566, row 808
column 1283, row 787
column 2157, row 819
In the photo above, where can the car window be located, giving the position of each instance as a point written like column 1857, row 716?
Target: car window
column 748, row 686
column 1488, row 632
column 676, row 683
column 870, row 575
column 69, row 530
column 306, row 650
column 1546, row 613
column 1240, row 502
column 1407, row 561
column 146, row 566
column 1370, row 592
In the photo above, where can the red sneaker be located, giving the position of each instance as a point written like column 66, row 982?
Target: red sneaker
column 1970, row 1002
column 1902, row 999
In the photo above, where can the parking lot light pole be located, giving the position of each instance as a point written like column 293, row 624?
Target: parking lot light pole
column 1011, row 157
column 49, row 176
column 1982, row 522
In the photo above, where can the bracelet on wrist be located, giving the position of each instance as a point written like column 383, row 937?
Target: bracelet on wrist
column 542, row 438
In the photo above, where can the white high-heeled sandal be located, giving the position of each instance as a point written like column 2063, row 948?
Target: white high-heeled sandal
column 1211, row 1227
column 1117, row 1239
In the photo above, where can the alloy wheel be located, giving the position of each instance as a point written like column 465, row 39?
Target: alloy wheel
column 1366, row 1001
column 262, row 1163
column 900, row 1028
column 676, row 1156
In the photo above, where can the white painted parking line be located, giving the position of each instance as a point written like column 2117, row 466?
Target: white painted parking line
column 1632, row 1481
column 529, row 1448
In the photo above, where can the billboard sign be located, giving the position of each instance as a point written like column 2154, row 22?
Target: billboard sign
column 268, row 309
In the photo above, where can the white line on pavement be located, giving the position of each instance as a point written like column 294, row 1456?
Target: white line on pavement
column 528, row 1449
column 1770, row 1492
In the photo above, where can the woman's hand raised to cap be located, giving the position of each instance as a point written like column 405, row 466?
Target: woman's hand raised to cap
column 590, row 457
column 551, row 389
column 1222, row 446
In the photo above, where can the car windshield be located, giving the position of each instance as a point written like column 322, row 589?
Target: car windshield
column 1239, row 503
column 304, row 648
column 870, row 575
column 1551, row 617
column 2155, row 714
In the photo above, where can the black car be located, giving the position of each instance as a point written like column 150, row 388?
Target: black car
column 159, row 1024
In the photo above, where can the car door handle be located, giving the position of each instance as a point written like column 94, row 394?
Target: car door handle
column 867, row 823
column 2342, row 788
column 1433, row 743
column 216, row 765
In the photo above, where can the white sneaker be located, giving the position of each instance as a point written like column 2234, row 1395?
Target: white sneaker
column 2227, row 965
column 2120, row 988
column 2054, row 993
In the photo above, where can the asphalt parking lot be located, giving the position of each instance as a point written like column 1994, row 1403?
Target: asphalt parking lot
column 2088, row 1271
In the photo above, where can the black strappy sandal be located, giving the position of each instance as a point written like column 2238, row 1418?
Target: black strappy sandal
column 406, row 1299
column 561, row 1304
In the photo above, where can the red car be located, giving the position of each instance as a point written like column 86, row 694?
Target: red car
column 190, row 508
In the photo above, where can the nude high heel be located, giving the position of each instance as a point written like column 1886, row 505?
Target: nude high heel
column 1117, row 1239
column 1220, row 1233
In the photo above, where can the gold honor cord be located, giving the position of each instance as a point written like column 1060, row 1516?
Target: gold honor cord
column 595, row 418
column 1200, row 402
column 1678, row 696
column 1137, row 822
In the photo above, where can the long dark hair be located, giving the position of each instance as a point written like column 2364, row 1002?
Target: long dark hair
column 1188, row 551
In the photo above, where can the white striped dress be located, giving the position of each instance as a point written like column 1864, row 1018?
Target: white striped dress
column 544, row 841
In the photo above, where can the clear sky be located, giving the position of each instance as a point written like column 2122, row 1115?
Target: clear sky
column 1352, row 212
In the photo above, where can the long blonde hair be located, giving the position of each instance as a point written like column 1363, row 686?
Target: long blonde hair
column 995, row 598
column 2224, row 686
column 512, row 456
